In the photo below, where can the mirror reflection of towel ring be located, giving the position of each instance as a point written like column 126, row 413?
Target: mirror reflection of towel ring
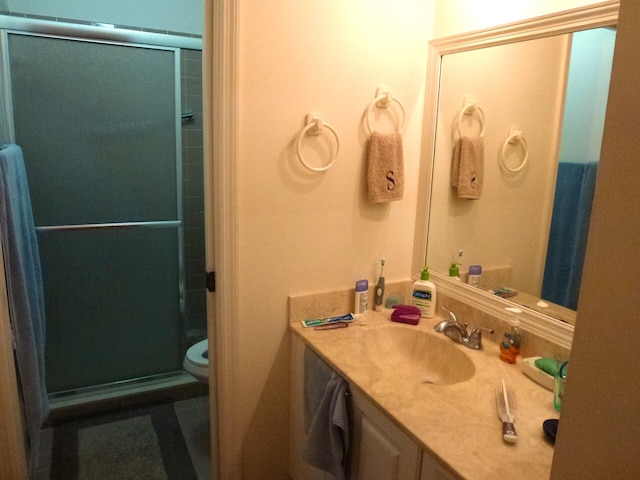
column 383, row 99
column 515, row 135
column 474, row 108
column 314, row 125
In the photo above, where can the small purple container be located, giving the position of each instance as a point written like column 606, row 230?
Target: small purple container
column 406, row 314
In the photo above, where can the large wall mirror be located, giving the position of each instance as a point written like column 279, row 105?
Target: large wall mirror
column 533, row 95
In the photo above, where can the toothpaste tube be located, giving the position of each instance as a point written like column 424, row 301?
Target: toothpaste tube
column 331, row 326
column 327, row 320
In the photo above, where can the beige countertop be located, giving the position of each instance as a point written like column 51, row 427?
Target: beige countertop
column 457, row 423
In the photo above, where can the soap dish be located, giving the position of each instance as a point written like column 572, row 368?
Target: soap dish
column 539, row 376
column 406, row 314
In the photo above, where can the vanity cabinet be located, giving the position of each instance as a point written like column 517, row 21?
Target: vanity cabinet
column 379, row 449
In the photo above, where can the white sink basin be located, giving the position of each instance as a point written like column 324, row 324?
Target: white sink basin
column 416, row 356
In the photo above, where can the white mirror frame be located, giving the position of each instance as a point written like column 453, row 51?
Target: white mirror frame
column 593, row 16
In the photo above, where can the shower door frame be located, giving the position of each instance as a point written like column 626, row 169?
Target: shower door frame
column 108, row 36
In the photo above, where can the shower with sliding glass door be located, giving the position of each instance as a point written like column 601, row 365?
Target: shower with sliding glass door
column 117, row 206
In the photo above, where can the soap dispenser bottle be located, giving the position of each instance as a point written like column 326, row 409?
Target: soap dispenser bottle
column 423, row 295
column 454, row 272
column 510, row 343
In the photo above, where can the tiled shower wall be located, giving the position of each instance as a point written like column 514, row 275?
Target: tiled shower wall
column 193, row 195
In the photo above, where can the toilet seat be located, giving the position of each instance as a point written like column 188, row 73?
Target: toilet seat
column 195, row 363
column 195, row 353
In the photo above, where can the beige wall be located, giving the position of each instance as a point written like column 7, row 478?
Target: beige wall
column 302, row 232
column 599, row 433
column 299, row 231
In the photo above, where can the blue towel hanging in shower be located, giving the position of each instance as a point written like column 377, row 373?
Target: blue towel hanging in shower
column 25, row 292
column 569, row 230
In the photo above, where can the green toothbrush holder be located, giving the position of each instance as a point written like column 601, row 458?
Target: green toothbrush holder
column 559, row 384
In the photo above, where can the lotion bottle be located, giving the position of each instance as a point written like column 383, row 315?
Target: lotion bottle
column 423, row 295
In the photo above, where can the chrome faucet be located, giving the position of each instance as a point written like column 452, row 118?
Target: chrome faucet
column 457, row 331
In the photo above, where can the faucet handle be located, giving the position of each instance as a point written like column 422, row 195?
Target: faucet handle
column 475, row 338
column 453, row 317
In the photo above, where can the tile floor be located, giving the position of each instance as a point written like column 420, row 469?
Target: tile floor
column 193, row 416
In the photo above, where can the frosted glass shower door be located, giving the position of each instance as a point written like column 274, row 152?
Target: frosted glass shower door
column 98, row 124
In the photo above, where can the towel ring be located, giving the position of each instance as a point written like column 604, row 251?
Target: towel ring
column 382, row 100
column 474, row 107
column 515, row 135
column 314, row 125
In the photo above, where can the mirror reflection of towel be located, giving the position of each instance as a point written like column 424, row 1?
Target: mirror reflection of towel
column 326, row 417
column 385, row 167
column 467, row 167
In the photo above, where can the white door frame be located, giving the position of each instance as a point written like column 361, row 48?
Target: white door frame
column 221, row 223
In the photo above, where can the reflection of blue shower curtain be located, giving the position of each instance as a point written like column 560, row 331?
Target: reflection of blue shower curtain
column 24, row 288
column 569, row 230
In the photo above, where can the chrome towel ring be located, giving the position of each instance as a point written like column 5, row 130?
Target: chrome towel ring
column 470, row 107
column 383, row 99
column 314, row 125
column 515, row 136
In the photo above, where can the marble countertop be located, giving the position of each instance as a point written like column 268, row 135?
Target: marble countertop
column 457, row 423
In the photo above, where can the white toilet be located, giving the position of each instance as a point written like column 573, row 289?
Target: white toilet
column 196, row 361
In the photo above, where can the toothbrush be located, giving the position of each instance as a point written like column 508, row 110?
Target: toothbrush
column 507, row 405
column 380, row 289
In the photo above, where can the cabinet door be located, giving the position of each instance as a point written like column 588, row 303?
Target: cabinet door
column 380, row 450
column 432, row 470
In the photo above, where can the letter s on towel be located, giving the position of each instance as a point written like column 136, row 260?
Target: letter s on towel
column 391, row 184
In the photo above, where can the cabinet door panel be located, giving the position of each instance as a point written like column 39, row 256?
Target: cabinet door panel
column 381, row 450
column 432, row 470
column 379, row 458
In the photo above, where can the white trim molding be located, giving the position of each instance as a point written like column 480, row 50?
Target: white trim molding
column 545, row 327
column 220, row 134
column 581, row 18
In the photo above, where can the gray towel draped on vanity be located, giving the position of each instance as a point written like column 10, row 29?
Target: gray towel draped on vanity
column 326, row 416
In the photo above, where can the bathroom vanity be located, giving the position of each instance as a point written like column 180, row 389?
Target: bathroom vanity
column 423, row 406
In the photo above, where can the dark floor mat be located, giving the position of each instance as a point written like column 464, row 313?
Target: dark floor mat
column 140, row 443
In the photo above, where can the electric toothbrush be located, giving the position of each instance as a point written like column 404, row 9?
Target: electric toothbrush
column 380, row 289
